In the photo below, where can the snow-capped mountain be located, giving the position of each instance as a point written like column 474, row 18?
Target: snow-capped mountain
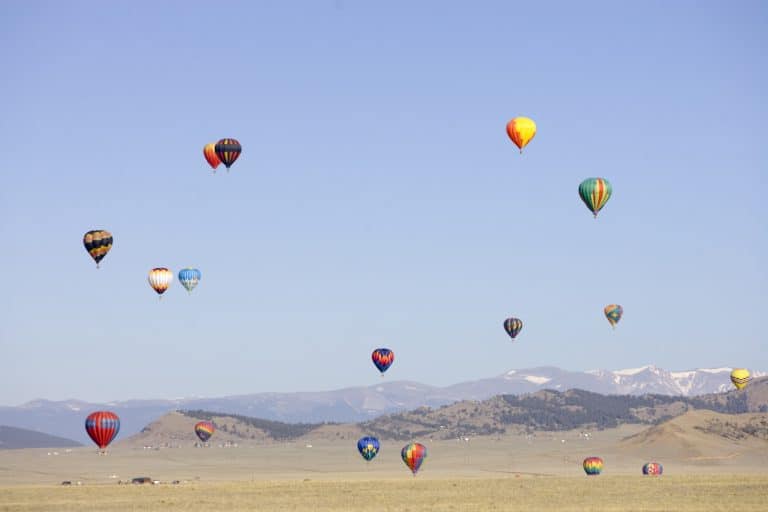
column 66, row 418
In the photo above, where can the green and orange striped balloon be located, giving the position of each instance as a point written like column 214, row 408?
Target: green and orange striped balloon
column 595, row 192
column 593, row 466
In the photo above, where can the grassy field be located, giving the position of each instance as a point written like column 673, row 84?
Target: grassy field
column 679, row 493
column 484, row 474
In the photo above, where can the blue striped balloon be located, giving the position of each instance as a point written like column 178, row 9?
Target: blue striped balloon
column 189, row 277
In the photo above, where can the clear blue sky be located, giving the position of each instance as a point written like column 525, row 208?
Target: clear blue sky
column 378, row 200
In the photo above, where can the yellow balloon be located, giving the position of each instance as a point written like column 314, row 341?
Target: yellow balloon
column 740, row 377
column 521, row 130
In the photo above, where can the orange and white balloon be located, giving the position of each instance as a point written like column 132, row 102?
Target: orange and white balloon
column 521, row 130
column 160, row 279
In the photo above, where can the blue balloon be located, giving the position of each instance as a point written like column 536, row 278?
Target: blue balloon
column 189, row 277
column 368, row 447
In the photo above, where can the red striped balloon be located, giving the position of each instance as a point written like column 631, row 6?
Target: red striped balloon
column 102, row 427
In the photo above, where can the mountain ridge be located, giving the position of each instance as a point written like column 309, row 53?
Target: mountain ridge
column 361, row 403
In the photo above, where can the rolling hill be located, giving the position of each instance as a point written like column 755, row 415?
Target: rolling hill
column 702, row 436
column 16, row 438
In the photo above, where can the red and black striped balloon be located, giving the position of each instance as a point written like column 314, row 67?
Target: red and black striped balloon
column 228, row 150
column 102, row 427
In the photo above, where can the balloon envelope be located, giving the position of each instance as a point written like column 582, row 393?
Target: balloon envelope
column 102, row 427
column 160, row 279
column 228, row 150
column 652, row 468
column 521, row 130
column 513, row 326
column 593, row 465
column 413, row 455
column 204, row 430
column 595, row 192
column 189, row 277
column 98, row 243
column 383, row 358
column 368, row 447
column 209, row 152
column 740, row 377
column 613, row 313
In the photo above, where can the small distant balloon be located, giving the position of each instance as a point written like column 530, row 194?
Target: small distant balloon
column 740, row 377
column 228, row 150
column 368, row 447
column 189, row 277
column 209, row 152
column 593, row 466
column 102, row 427
column 413, row 455
column 160, row 279
column 613, row 313
column 204, row 430
column 98, row 243
column 383, row 358
column 513, row 326
column 653, row 469
column 521, row 130
column 595, row 192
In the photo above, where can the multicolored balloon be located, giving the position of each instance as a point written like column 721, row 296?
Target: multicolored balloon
column 413, row 455
column 368, row 447
column 593, row 465
column 595, row 192
column 228, row 150
column 189, row 277
column 513, row 326
column 521, row 130
column 98, row 243
column 160, row 279
column 209, row 152
column 653, row 469
column 383, row 358
column 102, row 427
column 613, row 313
column 204, row 430
column 740, row 377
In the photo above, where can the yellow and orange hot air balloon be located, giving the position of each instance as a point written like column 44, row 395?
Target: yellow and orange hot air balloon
column 209, row 151
column 521, row 130
column 740, row 377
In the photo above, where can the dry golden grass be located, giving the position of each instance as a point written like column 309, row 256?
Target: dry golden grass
column 610, row 493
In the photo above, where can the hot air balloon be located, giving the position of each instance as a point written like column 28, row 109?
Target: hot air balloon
column 652, row 468
column 593, row 466
column 102, row 427
column 613, row 313
column 204, row 430
column 521, row 130
column 413, row 455
column 383, row 359
column 740, row 377
column 209, row 152
column 228, row 150
column 368, row 447
column 98, row 243
column 513, row 326
column 189, row 277
column 595, row 192
column 160, row 279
